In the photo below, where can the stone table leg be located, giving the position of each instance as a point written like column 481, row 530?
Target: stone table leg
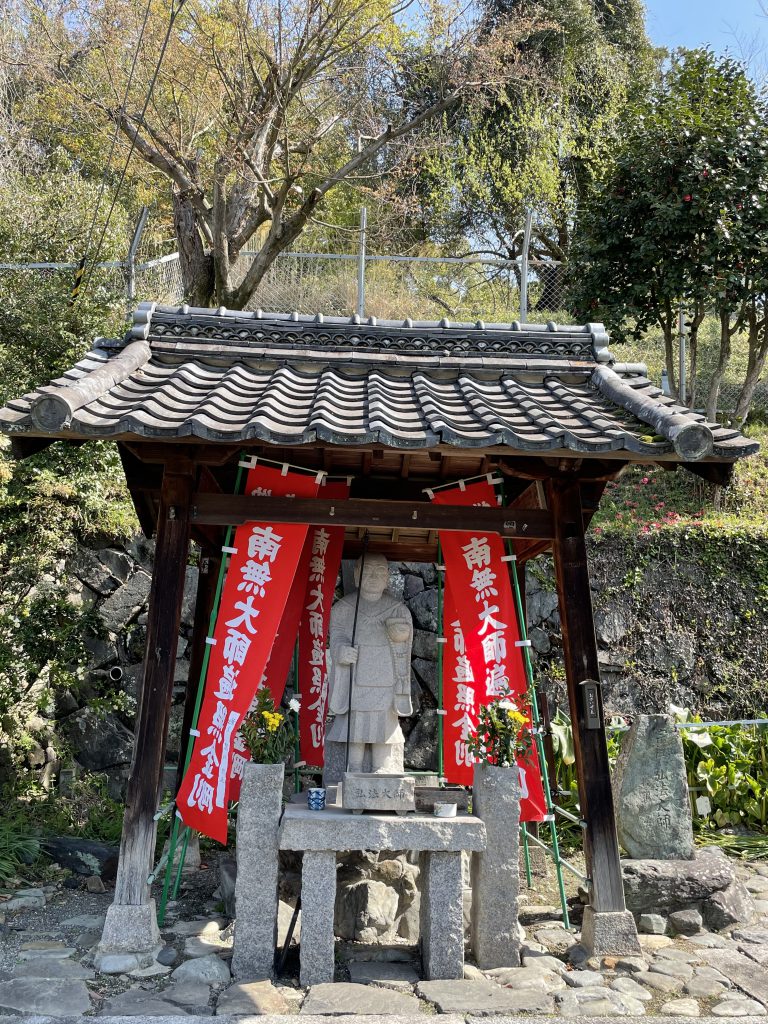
column 440, row 918
column 318, row 900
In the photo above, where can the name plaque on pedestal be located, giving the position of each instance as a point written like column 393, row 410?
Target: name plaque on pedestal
column 361, row 791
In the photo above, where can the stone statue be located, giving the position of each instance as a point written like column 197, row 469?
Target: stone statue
column 379, row 664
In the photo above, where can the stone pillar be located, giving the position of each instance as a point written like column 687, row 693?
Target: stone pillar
column 440, row 916
column 495, row 871
column 318, row 900
column 258, row 822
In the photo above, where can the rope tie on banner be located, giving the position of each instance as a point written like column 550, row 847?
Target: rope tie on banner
column 462, row 484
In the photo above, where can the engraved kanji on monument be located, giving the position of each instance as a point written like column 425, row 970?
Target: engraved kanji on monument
column 653, row 813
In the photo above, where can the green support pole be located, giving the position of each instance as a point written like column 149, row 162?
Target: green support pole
column 526, row 855
column 536, row 721
column 441, row 636
column 173, row 838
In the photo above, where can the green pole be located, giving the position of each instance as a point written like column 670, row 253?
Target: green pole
column 173, row 839
column 441, row 636
column 526, row 855
column 296, row 740
column 536, row 720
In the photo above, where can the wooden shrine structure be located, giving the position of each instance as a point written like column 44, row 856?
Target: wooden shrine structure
column 398, row 407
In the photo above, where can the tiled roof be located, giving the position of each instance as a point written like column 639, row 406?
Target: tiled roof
column 287, row 379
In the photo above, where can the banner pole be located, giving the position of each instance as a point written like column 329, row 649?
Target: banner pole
column 173, row 838
column 441, row 633
column 296, row 736
column 354, row 636
column 536, row 722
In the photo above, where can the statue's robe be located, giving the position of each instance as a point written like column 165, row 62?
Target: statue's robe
column 381, row 679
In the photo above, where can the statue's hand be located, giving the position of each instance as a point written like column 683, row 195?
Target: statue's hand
column 403, row 705
column 348, row 656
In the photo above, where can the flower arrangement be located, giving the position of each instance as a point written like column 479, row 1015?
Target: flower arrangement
column 503, row 733
column 267, row 731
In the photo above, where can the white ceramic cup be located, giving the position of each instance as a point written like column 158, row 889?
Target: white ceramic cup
column 445, row 810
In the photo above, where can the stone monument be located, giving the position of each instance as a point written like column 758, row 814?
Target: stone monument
column 653, row 815
column 371, row 634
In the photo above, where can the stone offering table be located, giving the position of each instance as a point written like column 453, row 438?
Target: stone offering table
column 321, row 834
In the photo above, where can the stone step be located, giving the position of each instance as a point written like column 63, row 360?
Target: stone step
column 373, row 1019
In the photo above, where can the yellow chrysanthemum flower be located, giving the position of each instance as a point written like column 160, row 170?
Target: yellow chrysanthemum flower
column 516, row 717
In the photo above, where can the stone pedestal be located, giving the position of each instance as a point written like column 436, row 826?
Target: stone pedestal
column 318, row 897
column 609, row 933
column 130, row 929
column 495, row 873
column 361, row 791
column 441, row 916
column 258, row 822
column 336, row 761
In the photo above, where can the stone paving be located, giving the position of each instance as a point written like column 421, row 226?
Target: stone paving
column 47, row 968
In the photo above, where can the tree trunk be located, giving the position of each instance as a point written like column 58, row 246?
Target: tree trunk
column 722, row 362
column 693, row 354
column 758, row 351
column 197, row 273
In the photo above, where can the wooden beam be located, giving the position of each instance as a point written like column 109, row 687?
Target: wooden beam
column 582, row 672
column 234, row 509
column 145, row 780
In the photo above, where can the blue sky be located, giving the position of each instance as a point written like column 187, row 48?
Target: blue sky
column 733, row 24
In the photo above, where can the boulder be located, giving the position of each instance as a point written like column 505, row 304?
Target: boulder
column 421, row 744
column 83, row 856
column 100, row 741
column 122, row 606
column 424, row 610
column 661, row 886
column 653, row 815
column 727, row 907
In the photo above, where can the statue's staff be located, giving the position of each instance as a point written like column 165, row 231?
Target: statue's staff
column 352, row 644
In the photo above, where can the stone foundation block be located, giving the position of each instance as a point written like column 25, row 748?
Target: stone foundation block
column 609, row 933
column 318, row 896
column 131, row 929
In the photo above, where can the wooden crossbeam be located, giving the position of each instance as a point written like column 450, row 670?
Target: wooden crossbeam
column 234, row 509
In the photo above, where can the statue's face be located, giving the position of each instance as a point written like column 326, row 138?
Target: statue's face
column 374, row 578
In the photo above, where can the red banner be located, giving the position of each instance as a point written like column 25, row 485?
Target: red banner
column 484, row 609
column 262, row 567
column 325, row 544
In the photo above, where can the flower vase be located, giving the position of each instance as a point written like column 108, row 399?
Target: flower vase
column 495, row 872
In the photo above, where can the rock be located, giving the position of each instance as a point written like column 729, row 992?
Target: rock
column 544, row 962
column 203, row 926
column 652, row 885
column 424, row 645
column 167, row 956
column 209, row 969
column 732, row 905
column 17, row 904
column 660, row 982
column 680, row 1008
column 202, row 945
column 284, row 916
column 46, row 951
column 88, row 921
column 117, row 963
column 650, row 786
column 629, row 987
column 703, row 988
column 412, row 585
column 584, row 979
column 708, row 941
column 94, row 884
column 528, row 977
column 426, row 673
column 751, row 936
column 672, row 969
column 540, row 640
column 53, row 969
column 472, row 973
column 757, row 885
column 252, row 997
column 84, row 857
column 750, row 977
column 153, row 971
column 138, row 1003
column 387, row 974
column 55, row 997
column 194, row 994
column 423, row 607
column 557, row 940
column 738, row 1006
column 675, row 953
column 482, row 998
column 346, row 998
column 421, row 743
column 652, row 924
column 366, row 910
column 101, row 740
column 126, row 602
column 631, row 964
column 686, row 922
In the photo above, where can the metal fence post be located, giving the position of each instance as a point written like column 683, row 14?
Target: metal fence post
column 524, row 268
column 133, row 248
column 361, row 263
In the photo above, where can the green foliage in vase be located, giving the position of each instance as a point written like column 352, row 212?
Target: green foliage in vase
column 267, row 731
column 503, row 733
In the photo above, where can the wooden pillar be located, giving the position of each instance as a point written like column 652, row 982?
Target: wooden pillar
column 210, row 564
column 601, row 846
column 145, row 781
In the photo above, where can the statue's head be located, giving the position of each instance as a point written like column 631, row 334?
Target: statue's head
column 374, row 577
